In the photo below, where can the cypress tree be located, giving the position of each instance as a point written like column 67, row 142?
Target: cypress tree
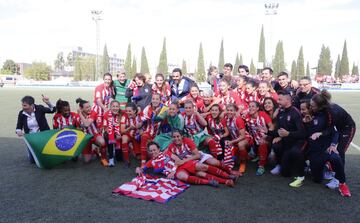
column 127, row 65
column 105, row 66
column 183, row 67
column 133, row 68
column 344, row 64
column 241, row 60
column 236, row 64
column 200, row 74
column 252, row 68
column 262, row 57
column 293, row 70
column 221, row 57
column 278, row 62
column 163, row 66
column 144, row 68
column 300, row 72
column 355, row 70
column 337, row 67
column 308, row 69
column 328, row 61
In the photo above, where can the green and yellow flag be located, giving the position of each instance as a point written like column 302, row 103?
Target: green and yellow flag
column 52, row 147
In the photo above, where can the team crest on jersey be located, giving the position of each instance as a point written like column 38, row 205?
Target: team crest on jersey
column 288, row 118
column 315, row 122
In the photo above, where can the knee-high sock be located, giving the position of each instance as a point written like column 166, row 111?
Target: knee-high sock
column 103, row 152
column 243, row 155
column 216, row 171
column 125, row 152
column 215, row 148
column 218, row 179
column 196, row 180
column 143, row 146
column 262, row 150
column 136, row 147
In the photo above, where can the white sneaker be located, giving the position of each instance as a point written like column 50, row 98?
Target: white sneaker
column 276, row 170
column 333, row 184
column 328, row 175
column 111, row 162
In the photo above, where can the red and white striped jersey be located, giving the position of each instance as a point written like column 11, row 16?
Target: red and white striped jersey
column 215, row 128
column 61, row 122
column 127, row 122
column 104, row 94
column 185, row 150
column 273, row 95
column 234, row 126
column 252, row 97
column 241, row 93
column 161, row 164
column 191, row 124
column 151, row 126
column 256, row 126
column 165, row 94
column 198, row 101
column 91, row 129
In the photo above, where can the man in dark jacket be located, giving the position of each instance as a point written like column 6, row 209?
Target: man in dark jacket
column 179, row 84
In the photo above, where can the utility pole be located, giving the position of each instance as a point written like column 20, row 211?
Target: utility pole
column 271, row 9
column 96, row 16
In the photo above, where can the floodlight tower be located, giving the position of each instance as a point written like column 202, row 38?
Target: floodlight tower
column 96, row 16
column 271, row 9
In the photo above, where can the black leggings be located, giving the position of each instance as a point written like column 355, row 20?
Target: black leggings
column 290, row 158
column 345, row 138
column 317, row 164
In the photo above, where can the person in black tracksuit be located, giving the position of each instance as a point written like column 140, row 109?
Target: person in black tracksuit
column 289, row 127
column 322, row 138
column 305, row 91
column 346, row 127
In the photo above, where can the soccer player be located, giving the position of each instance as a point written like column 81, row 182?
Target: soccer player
column 112, row 132
column 259, row 123
column 150, row 125
column 240, row 138
column 162, row 88
column 64, row 118
column 194, row 96
column 271, row 107
column 196, row 167
column 289, row 141
column 265, row 91
column 130, row 125
column 251, row 92
column 104, row 93
column 120, row 86
column 88, row 125
column 31, row 118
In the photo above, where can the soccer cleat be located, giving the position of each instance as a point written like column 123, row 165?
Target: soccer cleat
column 276, row 170
column 242, row 167
column 230, row 183
column 333, row 184
column 256, row 159
column 213, row 183
column 104, row 162
column 260, row 171
column 328, row 175
column 298, row 182
column 111, row 162
column 344, row 190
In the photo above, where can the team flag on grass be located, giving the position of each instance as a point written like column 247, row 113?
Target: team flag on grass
column 160, row 190
column 52, row 147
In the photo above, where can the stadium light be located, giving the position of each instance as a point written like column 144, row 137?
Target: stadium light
column 271, row 9
column 96, row 16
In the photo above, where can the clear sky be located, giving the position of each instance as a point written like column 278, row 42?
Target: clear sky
column 36, row 30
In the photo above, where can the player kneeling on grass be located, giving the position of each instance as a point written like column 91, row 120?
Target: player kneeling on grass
column 196, row 167
column 322, row 140
column 160, row 162
column 88, row 126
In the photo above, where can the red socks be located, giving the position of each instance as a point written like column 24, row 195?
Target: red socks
column 196, row 180
column 125, row 152
column 262, row 150
column 216, row 171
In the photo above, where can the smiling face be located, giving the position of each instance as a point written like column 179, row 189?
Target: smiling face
column 283, row 81
column 305, row 86
column 243, row 72
column 65, row 111
column 155, row 100
column 269, row 105
column 263, row 88
column 250, row 89
column 107, row 80
column 173, row 110
column 139, row 82
column 304, row 110
column 115, row 107
column 231, row 111
column 159, row 81
column 253, row 108
column 194, row 92
column 130, row 112
column 265, row 75
column 27, row 108
column 177, row 138
column 154, row 150
column 86, row 108
column 121, row 77
column 176, row 76
column 224, row 87
column 189, row 108
column 227, row 71
column 215, row 111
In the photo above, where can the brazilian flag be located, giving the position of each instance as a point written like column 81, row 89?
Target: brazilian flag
column 52, row 147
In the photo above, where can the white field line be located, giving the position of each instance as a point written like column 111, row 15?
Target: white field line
column 355, row 146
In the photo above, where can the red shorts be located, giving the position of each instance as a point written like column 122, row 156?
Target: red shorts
column 88, row 149
column 189, row 166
